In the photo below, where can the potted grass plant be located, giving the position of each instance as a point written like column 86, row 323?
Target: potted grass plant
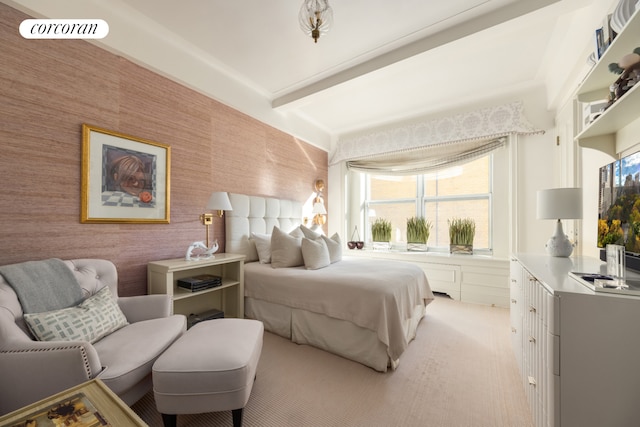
column 418, row 229
column 381, row 234
column 461, row 234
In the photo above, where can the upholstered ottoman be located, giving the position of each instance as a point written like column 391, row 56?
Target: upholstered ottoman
column 210, row 368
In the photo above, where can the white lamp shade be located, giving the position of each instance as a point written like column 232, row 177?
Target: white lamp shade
column 559, row 203
column 219, row 201
column 318, row 209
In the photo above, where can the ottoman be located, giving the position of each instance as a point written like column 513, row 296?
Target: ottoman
column 210, row 368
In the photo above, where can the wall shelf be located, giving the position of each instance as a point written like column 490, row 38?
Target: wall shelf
column 600, row 134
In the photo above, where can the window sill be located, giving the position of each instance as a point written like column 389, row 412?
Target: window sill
column 430, row 257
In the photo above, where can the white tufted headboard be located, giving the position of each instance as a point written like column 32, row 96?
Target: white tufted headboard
column 253, row 214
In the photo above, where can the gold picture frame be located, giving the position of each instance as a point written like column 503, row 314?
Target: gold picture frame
column 91, row 403
column 124, row 179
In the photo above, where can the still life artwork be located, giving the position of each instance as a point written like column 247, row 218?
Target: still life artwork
column 75, row 411
column 125, row 179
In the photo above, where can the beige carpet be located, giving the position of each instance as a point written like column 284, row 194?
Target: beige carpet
column 460, row 371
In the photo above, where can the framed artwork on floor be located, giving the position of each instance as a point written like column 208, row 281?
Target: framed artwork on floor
column 90, row 404
column 124, row 179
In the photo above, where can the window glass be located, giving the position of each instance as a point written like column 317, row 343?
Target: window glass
column 397, row 213
column 440, row 212
column 470, row 178
column 459, row 192
column 392, row 187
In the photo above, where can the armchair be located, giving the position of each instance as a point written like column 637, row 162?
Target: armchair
column 32, row 370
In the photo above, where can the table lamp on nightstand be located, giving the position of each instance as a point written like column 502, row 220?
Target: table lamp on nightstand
column 559, row 204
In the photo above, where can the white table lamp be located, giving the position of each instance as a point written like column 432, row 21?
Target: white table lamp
column 559, row 204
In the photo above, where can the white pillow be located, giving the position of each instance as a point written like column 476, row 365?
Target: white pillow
column 286, row 249
column 309, row 233
column 334, row 245
column 315, row 253
column 92, row 319
column 263, row 246
column 297, row 232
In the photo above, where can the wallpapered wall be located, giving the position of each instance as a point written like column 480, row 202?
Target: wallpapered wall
column 49, row 88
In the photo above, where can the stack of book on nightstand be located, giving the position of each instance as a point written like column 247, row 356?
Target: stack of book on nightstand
column 200, row 282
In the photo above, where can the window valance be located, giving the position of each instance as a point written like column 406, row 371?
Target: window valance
column 426, row 159
column 448, row 139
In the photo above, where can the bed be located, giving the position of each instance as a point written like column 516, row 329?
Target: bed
column 362, row 309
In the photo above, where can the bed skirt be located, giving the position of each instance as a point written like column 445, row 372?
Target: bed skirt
column 339, row 337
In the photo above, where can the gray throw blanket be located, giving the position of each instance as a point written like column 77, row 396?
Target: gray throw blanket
column 43, row 285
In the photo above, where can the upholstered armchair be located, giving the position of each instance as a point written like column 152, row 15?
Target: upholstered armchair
column 33, row 369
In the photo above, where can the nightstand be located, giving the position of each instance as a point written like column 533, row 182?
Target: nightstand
column 162, row 277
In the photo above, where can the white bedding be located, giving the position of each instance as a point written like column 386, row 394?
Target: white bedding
column 361, row 309
column 377, row 295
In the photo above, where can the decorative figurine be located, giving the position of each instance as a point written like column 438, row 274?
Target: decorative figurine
column 205, row 254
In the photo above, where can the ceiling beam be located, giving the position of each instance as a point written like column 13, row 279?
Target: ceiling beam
column 488, row 20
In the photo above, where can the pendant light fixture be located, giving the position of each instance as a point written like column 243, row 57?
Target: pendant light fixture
column 316, row 17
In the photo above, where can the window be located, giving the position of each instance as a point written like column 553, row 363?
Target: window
column 458, row 192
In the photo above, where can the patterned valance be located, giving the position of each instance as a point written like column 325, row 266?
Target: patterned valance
column 479, row 125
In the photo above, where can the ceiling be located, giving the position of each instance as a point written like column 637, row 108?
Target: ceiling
column 382, row 62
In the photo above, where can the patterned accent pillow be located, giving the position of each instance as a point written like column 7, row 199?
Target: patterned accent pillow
column 92, row 319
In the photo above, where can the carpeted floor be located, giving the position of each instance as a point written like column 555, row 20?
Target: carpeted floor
column 460, row 371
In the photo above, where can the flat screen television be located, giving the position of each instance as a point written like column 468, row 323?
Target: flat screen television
column 619, row 205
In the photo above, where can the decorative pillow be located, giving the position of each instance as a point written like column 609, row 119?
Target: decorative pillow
column 315, row 253
column 297, row 232
column 263, row 246
column 309, row 233
column 285, row 249
column 334, row 245
column 91, row 320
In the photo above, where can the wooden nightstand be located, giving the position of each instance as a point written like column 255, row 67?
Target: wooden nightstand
column 162, row 277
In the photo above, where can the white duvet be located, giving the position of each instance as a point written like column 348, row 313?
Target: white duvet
column 379, row 295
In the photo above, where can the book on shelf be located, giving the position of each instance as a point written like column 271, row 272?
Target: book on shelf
column 603, row 37
column 599, row 43
column 200, row 282
column 608, row 33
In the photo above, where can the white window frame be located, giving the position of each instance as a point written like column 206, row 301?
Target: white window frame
column 421, row 199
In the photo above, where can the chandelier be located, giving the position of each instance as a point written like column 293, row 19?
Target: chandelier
column 316, row 17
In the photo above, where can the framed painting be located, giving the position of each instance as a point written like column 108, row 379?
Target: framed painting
column 124, row 179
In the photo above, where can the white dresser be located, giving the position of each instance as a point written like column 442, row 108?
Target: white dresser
column 578, row 350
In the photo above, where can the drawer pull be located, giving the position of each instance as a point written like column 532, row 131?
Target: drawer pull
column 532, row 309
column 514, row 301
column 532, row 381
column 532, row 340
column 514, row 330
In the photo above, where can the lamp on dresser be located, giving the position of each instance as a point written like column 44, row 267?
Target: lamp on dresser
column 559, row 204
